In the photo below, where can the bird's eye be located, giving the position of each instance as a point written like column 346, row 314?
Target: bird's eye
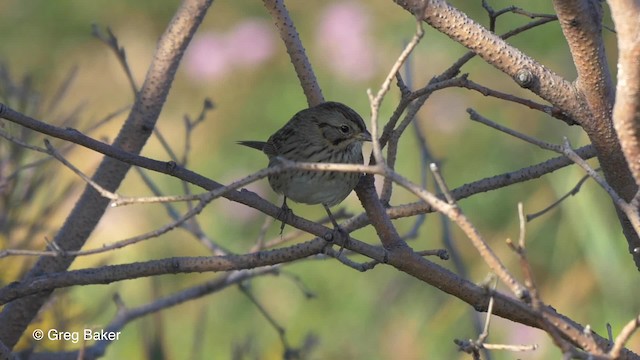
column 345, row 129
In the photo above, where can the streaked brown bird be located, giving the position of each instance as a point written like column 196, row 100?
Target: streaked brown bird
column 327, row 133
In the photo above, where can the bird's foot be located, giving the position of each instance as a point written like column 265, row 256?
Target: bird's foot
column 284, row 214
column 338, row 235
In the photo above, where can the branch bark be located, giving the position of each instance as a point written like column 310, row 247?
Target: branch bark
column 16, row 316
column 589, row 101
column 297, row 54
column 581, row 22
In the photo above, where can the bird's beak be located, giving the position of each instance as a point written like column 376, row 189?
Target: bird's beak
column 364, row 136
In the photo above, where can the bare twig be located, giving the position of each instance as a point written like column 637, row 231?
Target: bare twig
column 455, row 214
column 493, row 14
column 624, row 336
column 520, row 250
column 133, row 135
column 631, row 212
column 441, row 184
column 571, row 192
column 384, row 88
column 473, row 115
column 126, row 315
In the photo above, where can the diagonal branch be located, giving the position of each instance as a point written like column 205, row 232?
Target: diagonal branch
column 296, row 51
column 626, row 112
column 581, row 21
column 527, row 72
column 133, row 135
column 588, row 102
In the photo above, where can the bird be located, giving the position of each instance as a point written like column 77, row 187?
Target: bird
column 330, row 132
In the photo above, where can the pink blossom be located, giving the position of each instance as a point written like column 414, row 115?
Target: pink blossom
column 252, row 42
column 343, row 37
column 213, row 55
column 208, row 56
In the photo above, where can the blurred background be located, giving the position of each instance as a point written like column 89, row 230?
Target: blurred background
column 238, row 61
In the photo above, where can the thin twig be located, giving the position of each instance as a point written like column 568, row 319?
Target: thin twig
column 571, row 192
column 111, row 41
column 191, row 226
column 384, row 88
column 125, row 315
column 441, row 184
column 62, row 90
column 279, row 328
column 631, row 212
column 473, row 115
column 342, row 258
column 624, row 336
column 520, row 250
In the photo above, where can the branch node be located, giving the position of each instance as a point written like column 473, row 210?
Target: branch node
column 525, row 78
column 171, row 166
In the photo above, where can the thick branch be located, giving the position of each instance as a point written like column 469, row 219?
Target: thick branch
column 626, row 112
column 527, row 72
column 591, row 109
column 252, row 200
column 401, row 258
column 133, row 135
column 581, row 25
column 397, row 257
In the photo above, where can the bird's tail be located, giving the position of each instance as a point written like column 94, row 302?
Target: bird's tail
column 258, row 145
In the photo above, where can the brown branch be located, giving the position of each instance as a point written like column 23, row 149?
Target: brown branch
column 628, row 330
column 377, row 214
column 301, row 64
column 399, row 258
column 365, row 189
column 126, row 315
column 581, row 21
column 111, row 41
column 446, row 79
column 553, row 111
column 176, row 265
column 451, row 210
column 376, row 100
column 251, row 199
column 89, row 209
column 626, row 112
column 494, row 50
